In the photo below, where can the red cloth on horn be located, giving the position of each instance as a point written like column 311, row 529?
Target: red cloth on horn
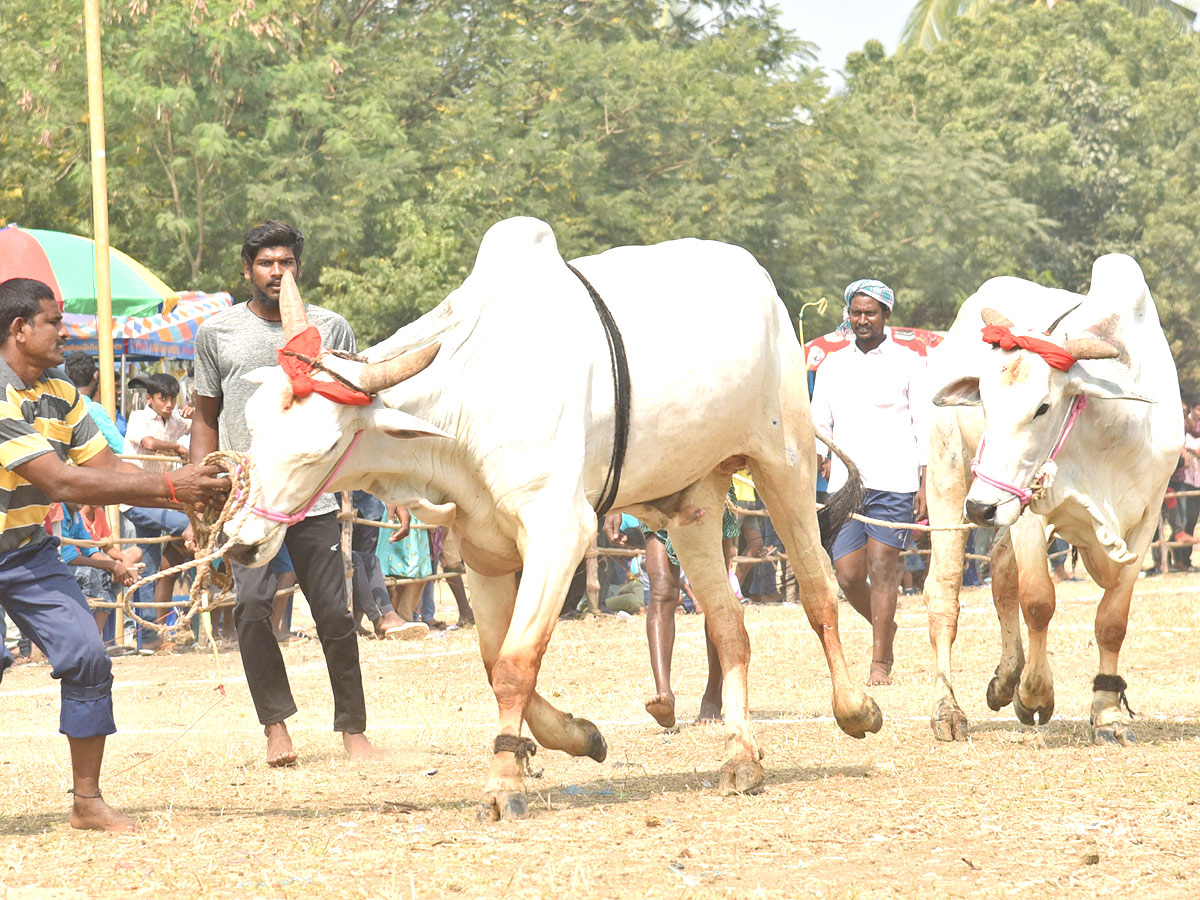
column 299, row 371
column 1001, row 336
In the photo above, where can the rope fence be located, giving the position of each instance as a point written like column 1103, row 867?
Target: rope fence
column 244, row 497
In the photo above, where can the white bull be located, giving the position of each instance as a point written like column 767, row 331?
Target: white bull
column 1088, row 450
column 523, row 385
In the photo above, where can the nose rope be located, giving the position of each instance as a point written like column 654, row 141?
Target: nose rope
column 207, row 526
column 1026, row 495
column 292, row 518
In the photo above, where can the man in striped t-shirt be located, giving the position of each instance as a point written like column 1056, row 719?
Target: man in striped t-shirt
column 50, row 449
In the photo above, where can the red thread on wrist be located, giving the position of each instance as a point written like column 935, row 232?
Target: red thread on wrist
column 171, row 487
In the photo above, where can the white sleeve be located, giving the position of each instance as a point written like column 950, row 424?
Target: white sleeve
column 918, row 407
column 135, row 430
column 822, row 412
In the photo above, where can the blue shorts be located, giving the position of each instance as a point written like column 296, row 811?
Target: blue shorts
column 887, row 506
column 41, row 597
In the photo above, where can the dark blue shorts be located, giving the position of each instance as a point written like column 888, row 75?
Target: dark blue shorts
column 887, row 506
column 41, row 596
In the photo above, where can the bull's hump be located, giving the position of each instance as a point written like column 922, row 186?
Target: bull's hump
column 515, row 242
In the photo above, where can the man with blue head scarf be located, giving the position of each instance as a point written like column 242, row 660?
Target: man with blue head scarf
column 862, row 402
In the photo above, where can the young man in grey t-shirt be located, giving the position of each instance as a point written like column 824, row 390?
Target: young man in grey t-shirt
column 229, row 345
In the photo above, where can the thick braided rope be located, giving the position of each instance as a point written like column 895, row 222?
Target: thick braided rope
column 242, row 497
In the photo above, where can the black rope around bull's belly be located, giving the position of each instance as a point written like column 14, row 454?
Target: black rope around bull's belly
column 620, row 367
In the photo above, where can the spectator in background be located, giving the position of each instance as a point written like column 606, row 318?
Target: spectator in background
column 759, row 581
column 1186, row 479
column 158, row 430
column 81, row 369
column 370, row 596
column 404, row 553
column 95, row 572
column 452, row 564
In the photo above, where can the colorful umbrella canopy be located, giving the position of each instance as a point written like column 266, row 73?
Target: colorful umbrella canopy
column 171, row 335
column 916, row 339
column 67, row 263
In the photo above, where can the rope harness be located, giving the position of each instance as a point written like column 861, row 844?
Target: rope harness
column 621, row 390
column 1045, row 475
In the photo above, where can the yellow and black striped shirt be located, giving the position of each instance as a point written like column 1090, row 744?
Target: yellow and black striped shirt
column 45, row 417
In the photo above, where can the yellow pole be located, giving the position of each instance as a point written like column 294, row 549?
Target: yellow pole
column 104, row 320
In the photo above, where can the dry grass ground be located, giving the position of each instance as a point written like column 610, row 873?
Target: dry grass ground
column 1036, row 811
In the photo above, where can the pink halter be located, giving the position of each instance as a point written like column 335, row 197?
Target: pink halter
column 293, row 518
column 1025, row 494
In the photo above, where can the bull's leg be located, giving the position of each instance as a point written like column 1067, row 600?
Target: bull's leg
column 786, row 483
column 699, row 550
column 551, row 550
column 1006, row 598
column 1034, row 700
column 1109, row 724
column 946, row 489
column 554, row 729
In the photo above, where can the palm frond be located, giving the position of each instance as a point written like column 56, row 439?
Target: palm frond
column 929, row 22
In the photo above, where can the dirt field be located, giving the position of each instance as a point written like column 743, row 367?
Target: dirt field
column 1038, row 812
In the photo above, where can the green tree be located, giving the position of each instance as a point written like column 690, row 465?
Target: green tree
column 933, row 20
column 1093, row 112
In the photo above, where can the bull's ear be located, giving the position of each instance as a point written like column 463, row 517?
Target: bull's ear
column 397, row 424
column 960, row 392
column 1103, row 389
column 259, row 375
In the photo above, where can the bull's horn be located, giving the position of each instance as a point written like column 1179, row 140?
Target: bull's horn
column 379, row 376
column 991, row 317
column 291, row 307
column 1056, row 322
column 1091, row 348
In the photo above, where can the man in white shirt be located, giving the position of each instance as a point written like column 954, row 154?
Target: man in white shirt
column 862, row 402
column 158, row 429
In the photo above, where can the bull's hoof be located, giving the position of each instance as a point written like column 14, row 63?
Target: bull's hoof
column 867, row 721
column 597, row 747
column 1026, row 716
column 502, row 805
column 1117, row 733
column 949, row 722
column 741, row 776
column 998, row 694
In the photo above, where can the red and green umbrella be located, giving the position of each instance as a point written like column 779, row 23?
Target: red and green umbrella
column 67, row 263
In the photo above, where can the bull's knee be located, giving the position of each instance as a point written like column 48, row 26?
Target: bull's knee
column 512, row 679
column 1038, row 612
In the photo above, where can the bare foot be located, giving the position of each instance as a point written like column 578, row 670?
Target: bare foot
column 280, row 751
column 710, row 711
column 662, row 708
column 881, row 674
column 93, row 814
column 357, row 746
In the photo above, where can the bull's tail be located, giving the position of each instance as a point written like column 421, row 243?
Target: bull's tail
column 841, row 504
